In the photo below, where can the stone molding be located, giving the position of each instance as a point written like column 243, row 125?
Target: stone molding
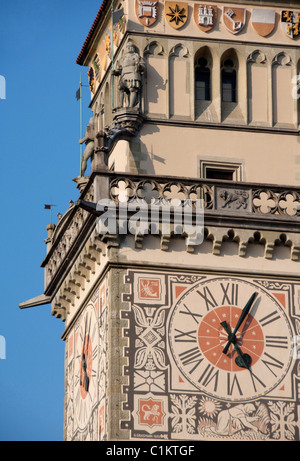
column 77, row 282
column 231, row 198
column 76, row 248
column 89, row 263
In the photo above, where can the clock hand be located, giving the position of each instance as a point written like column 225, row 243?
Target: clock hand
column 243, row 360
column 86, row 378
column 88, row 335
column 84, row 371
column 231, row 336
column 82, row 367
column 85, row 351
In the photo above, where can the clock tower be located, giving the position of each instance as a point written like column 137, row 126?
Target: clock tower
column 176, row 272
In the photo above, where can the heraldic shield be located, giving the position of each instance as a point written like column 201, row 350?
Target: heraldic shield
column 146, row 12
column 205, row 16
column 290, row 22
column 176, row 14
column 234, row 19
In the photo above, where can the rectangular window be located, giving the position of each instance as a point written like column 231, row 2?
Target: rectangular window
column 216, row 173
column 221, row 170
column 228, row 90
column 229, row 78
column 202, row 90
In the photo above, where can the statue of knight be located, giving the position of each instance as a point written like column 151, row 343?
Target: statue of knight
column 130, row 67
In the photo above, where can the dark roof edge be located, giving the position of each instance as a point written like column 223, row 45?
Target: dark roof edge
column 84, row 49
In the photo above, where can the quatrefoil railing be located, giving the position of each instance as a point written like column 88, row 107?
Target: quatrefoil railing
column 224, row 196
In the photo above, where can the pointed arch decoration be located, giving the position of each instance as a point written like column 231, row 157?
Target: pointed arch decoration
column 283, row 104
column 180, row 81
column 156, row 78
column 154, row 48
column 180, row 51
column 258, row 88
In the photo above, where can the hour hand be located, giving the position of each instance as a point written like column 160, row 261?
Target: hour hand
column 242, row 360
column 231, row 336
column 226, row 327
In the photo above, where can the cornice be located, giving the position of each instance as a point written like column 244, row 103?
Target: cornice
column 106, row 6
column 263, row 3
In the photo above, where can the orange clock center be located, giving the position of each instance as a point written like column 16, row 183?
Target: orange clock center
column 212, row 337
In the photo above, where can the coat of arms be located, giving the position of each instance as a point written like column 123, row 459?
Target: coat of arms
column 290, row 21
column 234, row 19
column 176, row 13
column 263, row 21
column 151, row 413
column 205, row 16
column 146, row 12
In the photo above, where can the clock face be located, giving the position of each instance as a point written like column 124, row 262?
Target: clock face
column 86, row 366
column 259, row 356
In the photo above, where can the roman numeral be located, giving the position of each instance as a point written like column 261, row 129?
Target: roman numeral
column 207, row 376
column 185, row 336
column 254, row 377
column 269, row 318
column 191, row 356
column 76, row 379
column 274, row 363
column 193, row 314
column 95, row 352
column 230, row 294
column 232, row 383
column 277, row 341
column 208, row 298
column 94, row 373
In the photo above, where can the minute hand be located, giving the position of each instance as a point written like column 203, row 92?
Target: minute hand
column 240, row 321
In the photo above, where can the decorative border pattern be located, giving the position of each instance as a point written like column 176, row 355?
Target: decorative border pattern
column 160, row 412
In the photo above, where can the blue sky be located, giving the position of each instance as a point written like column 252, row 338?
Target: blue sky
column 39, row 122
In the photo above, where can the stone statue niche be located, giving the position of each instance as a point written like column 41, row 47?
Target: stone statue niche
column 130, row 68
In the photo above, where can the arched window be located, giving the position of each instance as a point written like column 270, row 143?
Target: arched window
column 229, row 81
column 202, row 80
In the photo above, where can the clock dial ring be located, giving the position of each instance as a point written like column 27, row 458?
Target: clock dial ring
column 270, row 350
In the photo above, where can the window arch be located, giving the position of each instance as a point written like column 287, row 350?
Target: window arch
column 179, row 81
column 229, row 70
column 258, row 97
column 283, row 70
column 203, row 63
